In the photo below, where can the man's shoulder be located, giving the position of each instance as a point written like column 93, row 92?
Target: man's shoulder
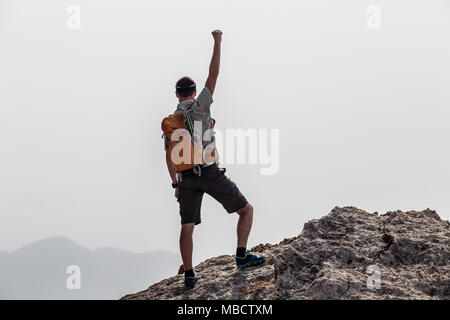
column 205, row 98
column 206, row 91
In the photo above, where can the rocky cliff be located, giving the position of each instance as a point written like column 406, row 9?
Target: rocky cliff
column 348, row 254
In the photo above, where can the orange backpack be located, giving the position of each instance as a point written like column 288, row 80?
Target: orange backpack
column 182, row 142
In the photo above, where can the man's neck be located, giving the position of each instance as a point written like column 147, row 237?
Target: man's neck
column 186, row 99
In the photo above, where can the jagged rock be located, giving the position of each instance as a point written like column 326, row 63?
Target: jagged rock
column 335, row 257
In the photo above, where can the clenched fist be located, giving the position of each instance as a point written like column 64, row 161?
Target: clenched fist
column 217, row 35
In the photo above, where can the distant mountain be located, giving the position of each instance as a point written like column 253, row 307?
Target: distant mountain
column 39, row 271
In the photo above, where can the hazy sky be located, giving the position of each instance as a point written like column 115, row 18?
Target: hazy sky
column 363, row 114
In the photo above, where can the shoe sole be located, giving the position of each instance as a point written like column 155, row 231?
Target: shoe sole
column 193, row 286
column 190, row 287
column 252, row 264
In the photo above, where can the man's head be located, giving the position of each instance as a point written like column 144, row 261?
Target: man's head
column 185, row 89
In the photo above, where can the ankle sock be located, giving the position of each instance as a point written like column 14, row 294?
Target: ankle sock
column 189, row 273
column 240, row 252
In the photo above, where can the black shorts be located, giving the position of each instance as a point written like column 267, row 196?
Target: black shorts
column 213, row 182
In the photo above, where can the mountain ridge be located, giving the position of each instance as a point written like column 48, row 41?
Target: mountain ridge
column 347, row 254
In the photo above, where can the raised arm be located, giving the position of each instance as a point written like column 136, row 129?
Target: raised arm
column 215, row 62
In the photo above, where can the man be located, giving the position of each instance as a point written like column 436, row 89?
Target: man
column 191, row 185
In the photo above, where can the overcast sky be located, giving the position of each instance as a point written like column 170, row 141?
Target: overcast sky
column 363, row 114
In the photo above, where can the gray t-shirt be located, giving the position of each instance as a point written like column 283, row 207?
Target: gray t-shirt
column 200, row 111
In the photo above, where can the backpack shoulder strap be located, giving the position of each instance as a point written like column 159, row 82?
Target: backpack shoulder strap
column 190, row 106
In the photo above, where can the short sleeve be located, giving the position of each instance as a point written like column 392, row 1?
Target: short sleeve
column 205, row 99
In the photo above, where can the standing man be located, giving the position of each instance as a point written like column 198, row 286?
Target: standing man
column 191, row 185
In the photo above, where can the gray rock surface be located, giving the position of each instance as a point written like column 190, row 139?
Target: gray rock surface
column 339, row 256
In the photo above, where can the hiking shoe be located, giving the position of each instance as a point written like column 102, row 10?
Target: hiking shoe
column 191, row 281
column 249, row 260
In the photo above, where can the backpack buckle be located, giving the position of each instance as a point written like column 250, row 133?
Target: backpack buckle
column 197, row 170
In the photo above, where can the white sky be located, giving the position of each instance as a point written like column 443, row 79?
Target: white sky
column 363, row 115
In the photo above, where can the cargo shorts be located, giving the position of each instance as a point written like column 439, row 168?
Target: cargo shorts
column 212, row 181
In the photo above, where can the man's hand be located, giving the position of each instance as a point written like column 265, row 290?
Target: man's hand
column 177, row 193
column 215, row 62
column 217, row 35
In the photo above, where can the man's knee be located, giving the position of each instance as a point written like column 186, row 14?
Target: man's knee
column 187, row 228
column 248, row 209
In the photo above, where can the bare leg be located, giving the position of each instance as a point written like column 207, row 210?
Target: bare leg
column 244, row 225
column 187, row 244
